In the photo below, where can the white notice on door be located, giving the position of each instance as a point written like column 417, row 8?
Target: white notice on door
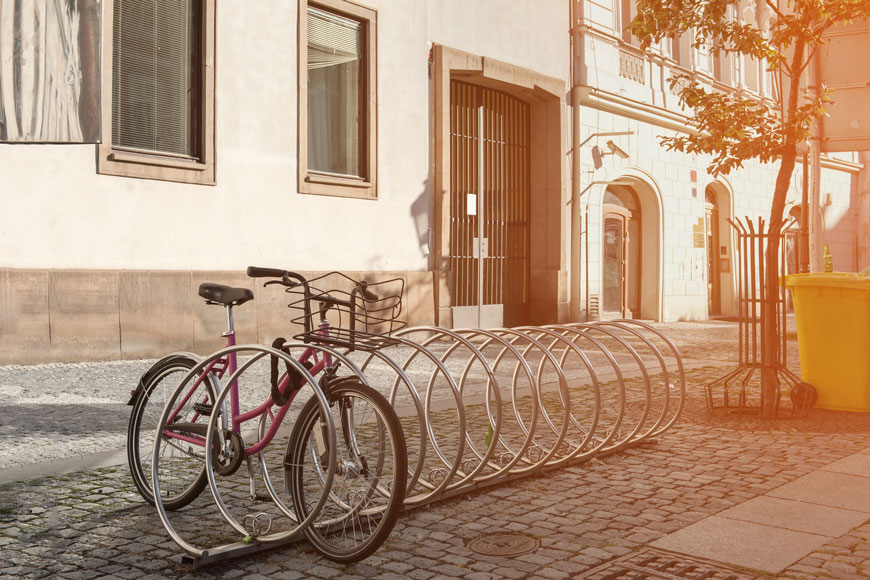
column 471, row 203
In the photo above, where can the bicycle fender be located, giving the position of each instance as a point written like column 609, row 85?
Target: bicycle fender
column 146, row 376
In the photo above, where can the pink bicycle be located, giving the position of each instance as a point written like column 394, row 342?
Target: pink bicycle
column 344, row 465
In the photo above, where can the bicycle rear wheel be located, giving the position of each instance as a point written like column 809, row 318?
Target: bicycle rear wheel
column 188, row 477
column 182, row 463
column 371, row 474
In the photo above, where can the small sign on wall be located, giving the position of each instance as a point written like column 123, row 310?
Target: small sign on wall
column 699, row 234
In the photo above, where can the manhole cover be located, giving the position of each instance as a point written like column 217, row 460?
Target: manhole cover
column 503, row 545
column 661, row 565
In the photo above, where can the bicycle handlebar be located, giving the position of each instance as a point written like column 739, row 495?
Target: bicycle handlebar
column 289, row 279
column 257, row 272
column 286, row 276
column 367, row 294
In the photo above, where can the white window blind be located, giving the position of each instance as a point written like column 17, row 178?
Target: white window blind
column 335, row 114
column 154, row 75
column 332, row 39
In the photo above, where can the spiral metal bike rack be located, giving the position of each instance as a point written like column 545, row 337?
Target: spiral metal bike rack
column 481, row 407
column 478, row 408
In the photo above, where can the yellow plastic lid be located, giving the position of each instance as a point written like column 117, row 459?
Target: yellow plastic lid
column 829, row 279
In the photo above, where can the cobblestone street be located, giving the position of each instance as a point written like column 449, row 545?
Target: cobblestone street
column 589, row 518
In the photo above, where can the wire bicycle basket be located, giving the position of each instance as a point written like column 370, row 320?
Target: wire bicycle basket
column 360, row 315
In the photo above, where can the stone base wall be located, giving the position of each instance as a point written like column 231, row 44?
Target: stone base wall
column 85, row 315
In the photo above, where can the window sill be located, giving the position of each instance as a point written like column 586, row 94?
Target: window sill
column 122, row 163
column 324, row 184
column 156, row 159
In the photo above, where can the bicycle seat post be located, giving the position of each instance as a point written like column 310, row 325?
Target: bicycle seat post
column 230, row 333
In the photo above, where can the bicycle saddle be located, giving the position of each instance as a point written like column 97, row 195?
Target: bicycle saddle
column 220, row 294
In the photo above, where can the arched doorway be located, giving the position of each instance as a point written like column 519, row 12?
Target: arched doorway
column 721, row 290
column 714, row 286
column 621, row 253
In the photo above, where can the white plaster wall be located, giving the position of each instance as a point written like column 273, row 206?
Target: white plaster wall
column 58, row 213
column 533, row 34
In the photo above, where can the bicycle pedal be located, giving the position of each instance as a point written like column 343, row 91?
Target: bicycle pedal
column 262, row 497
column 203, row 408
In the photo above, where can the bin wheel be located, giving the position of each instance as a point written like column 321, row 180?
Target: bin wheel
column 803, row 396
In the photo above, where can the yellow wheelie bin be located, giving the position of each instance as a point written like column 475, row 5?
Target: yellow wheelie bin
column 832, row 312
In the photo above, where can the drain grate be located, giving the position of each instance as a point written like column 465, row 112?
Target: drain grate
column 504, row 545
column 660, row 565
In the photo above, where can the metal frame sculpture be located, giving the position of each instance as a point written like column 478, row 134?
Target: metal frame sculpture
column 738, row 389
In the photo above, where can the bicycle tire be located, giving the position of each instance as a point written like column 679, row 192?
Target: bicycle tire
column 164, row 378
column 365, row 500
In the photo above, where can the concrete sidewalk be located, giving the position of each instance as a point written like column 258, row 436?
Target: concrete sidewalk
column 706, row 500
column 775, row 530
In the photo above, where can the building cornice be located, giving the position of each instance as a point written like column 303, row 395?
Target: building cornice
column 598, row 99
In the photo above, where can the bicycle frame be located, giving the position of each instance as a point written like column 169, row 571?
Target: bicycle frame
column 218, row 369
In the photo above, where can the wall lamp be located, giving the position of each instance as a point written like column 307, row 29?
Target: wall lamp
column 614, row 149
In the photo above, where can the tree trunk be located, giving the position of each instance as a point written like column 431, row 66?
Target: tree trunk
column 770, row 336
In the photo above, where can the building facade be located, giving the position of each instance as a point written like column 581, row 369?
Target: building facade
column 500, row 155
column 652, row 225
column 311, row 136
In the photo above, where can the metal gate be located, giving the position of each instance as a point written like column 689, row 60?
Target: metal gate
column 489, row 207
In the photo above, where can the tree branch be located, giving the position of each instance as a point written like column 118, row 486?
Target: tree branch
column 773, row 6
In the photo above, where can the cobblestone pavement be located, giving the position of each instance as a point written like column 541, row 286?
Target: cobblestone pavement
column 92, row 524
column 58, row 411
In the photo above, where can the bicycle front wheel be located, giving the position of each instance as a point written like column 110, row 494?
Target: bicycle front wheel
column 188, row 478
column 371, row 471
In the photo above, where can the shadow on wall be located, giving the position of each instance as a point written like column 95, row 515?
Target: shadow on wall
column 421, row 210
column 420, row 295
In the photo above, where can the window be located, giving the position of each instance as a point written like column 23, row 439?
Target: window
column 723, row 68
column 158, row 121
column 750, row 73
column 681, row 49
column 337, row 126
column 627, row 13
column 726, row 66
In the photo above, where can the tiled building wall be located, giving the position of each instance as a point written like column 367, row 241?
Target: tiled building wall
column 679, row 181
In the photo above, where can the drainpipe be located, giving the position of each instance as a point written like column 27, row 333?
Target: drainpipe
column 576, row 226
column 813, row 217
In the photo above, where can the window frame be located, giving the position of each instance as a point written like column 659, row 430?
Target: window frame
column 144, row 164
column 313, row 182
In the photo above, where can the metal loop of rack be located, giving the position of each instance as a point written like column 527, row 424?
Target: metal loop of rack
column 480, row 407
